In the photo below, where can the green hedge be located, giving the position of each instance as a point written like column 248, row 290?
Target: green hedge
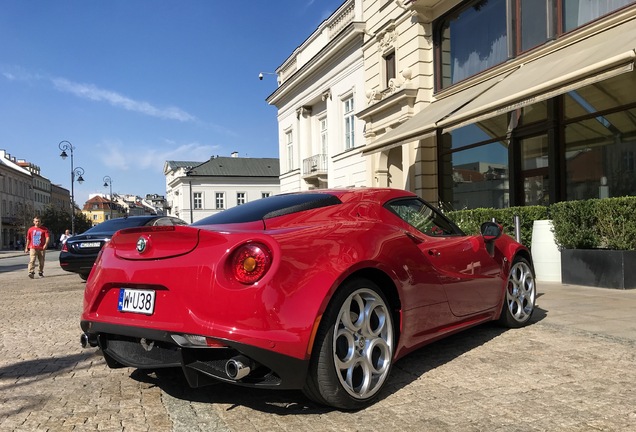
column 470, row 220
column 608, row 223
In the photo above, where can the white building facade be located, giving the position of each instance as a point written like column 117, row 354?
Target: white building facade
column 321, row 88
column 195, row 190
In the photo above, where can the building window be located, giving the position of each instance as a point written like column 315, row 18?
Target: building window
column 578, row 12
column 240, row 198
column 289, row 144
column 536, row 24
column 198, row 200
column 349, row 122
column 471, row 40
column 265, row 194
column 480, row 34
column 220, row 200
column 323, row 136
column 389, row 67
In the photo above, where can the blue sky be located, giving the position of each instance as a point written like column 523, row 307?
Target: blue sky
column 133, row 83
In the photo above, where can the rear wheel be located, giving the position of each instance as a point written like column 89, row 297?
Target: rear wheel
column 353, row 353
column 84, row 276
column 520, row 296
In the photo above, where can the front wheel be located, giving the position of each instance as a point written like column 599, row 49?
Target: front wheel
column 353, row 353
column 520, row 295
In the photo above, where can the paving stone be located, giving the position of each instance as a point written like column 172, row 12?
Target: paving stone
column 571, row 370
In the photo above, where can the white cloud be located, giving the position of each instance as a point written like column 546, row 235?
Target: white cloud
column 130, row 157
column 92, row 92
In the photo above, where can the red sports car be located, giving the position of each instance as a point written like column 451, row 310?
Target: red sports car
column 321, row 291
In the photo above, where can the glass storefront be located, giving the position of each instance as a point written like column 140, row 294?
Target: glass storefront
column 475, row 166
column 534, row 170
column 579, row 145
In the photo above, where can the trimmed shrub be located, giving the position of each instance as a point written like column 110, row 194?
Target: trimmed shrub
column 470, row 220
column 617, row 222
column 575, row 224
column 607, row 223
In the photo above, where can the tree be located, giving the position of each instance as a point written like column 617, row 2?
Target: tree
column 57, row 221
column 82, row 223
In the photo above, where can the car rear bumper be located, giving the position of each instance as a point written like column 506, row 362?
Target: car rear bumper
column 77, row 264
column 228, row 361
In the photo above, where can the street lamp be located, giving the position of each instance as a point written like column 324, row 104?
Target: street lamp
column 79, row 172
column 109, row 182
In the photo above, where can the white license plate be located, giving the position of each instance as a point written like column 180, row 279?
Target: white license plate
column 136, row 301
column 90, row 245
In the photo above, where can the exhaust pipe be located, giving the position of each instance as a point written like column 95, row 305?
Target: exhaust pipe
column 238, row 367
column 88, row 340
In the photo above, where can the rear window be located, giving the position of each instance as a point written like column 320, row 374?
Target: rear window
column 265, row 208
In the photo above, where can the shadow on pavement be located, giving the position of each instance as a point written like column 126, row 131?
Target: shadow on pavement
column 286, row 402
column 7, row 269
column 43, row 366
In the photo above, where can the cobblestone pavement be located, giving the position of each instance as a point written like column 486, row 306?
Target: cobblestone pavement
column 549, row 376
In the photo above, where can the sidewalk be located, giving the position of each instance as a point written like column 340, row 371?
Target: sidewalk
column 601, row 311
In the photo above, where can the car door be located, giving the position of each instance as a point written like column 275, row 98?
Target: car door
column 463, row 266
column 469, row 275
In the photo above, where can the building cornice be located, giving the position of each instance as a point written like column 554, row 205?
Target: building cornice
column 333, row 49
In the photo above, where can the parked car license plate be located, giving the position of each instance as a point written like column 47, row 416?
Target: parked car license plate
column 136, row 301
column 90, row 245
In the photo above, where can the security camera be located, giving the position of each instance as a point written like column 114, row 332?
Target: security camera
column 260, row 76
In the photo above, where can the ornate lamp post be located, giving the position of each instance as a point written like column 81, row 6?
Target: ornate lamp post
column 108, row 182
column 79, row 172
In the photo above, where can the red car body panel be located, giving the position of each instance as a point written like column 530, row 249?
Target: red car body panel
column 440, row 284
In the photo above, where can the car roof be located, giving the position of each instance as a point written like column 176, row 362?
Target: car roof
column 283, row 204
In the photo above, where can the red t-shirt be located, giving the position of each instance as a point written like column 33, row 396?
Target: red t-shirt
column 37, row 237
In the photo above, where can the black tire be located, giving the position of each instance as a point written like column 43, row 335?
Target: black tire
column 520, row 295
column 84, row 276
column 353, row 352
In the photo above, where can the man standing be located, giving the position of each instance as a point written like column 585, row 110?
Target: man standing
column 36, row 242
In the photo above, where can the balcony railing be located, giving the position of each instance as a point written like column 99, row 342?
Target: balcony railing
column 315, row 164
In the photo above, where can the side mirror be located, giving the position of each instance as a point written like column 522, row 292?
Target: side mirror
column 491, row 231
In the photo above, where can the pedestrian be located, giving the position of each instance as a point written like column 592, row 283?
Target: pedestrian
column 64, row 237
column 37, row 240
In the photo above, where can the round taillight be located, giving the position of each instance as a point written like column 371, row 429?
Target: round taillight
column 250, row 262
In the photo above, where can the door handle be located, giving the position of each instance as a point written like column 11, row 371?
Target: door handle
column 434, row 252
